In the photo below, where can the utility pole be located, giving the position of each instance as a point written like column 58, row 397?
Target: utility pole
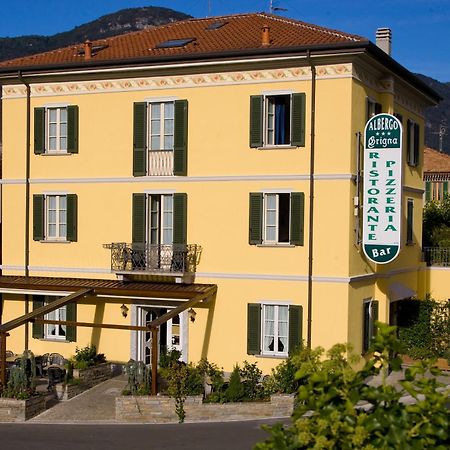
column 442, row 132
column 273, row 8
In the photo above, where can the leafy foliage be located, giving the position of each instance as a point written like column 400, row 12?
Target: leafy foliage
column 436, row 223
column 338, row 409
column 250, row 376
column 87, row 357
column 235, row 391
column 425, row 331
column 139, row 378
column 21, row 384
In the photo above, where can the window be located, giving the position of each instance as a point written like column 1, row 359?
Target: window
column 273, row 329
column 173, row 43
column 161, row 219
column 277, row 120
column 373, row 108
column 276, row 218
column 435, row 190
column 370, row 316
column 55, row 331
column 56, row 130
column 160, row 138
column 409, row 221
column 55, row 217
column 412, row 143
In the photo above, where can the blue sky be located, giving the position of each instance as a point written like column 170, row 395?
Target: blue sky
column 421, row 28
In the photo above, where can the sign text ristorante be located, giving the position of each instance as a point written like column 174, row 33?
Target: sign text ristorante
column 382, row 188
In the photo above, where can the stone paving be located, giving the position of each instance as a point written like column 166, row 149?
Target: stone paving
column 97, row 405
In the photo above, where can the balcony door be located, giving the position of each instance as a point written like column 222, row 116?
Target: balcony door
column 160, row 231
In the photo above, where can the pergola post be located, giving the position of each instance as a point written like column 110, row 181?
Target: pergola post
column 154, row 331
column 3, row 337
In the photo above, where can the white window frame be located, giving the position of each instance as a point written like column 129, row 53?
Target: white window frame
column 57, row 223
column 57, row 314
column 162, row 124
column 276, row 334
column 437, row 191
column 267, row 96
column 58, row 122
column 266, row 240
column 162, row 226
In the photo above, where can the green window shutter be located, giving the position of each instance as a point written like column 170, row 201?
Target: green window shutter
column 38, row 217
column 409, row 125
column 298, row 119
column 428, row 191
column 72, row 129
column 253, row 329
column 366, row 327
column 297, row 218
column 138, row 219
column 38, row 328
column 71, row 316
column 416, row 144
column 295, row 327
column 255, row 218
column 180, row 218
column 72, row 215
column 139, row 139
column 409, row 220
column 180, row 139
column 39, row 131
column 375, row 309
column 256, row 121
column 445, row 188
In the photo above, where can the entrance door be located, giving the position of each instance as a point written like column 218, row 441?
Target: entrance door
column 169, row 335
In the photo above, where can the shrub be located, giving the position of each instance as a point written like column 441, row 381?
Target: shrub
column 250, row 376
column 330, row 415
column 168, row 357
column 22, row 384
column 235, row 391
column 282, row 379
column 87, row 357
column 139, row 378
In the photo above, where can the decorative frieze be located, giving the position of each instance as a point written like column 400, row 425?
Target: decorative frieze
column 178, row 81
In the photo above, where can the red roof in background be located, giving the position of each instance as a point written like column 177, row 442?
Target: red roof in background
column 239, row 33
column 435, row 161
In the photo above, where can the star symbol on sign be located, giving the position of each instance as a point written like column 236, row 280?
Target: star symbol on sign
column 389, row 133
column 377, row 133
column 383, row 133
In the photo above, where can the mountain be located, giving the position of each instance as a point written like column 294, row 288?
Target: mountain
column 438, row 116
column 123, row 21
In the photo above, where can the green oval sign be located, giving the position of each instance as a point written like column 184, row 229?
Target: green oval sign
column 382, row 205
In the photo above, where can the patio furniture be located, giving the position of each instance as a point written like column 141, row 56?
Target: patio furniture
column 56, row 370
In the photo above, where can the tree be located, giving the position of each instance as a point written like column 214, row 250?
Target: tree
column 338, row 409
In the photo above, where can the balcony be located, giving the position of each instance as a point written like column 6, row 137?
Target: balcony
column 437, row 256
column 175, row 260
column 160, row 162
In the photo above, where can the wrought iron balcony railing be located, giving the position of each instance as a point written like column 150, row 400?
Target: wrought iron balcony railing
column 437, row 256
column 159, row 258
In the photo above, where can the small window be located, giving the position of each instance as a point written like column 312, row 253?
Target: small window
column 216, row 25
column 275, row 328
column 373, row 108
column 161, row 125
column 57, row 129
column 174, row 43
column 277, row 218
column 412, row 143
column 370, row 316
column 410, row 222
column 56, row 217
column 56, row 331
column 436, row 190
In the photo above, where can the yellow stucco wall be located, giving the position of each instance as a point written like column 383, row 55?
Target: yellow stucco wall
column 222, row 171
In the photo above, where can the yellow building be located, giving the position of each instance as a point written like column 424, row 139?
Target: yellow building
column 204, row 176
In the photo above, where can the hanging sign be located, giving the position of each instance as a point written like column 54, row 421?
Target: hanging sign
column 382, row 188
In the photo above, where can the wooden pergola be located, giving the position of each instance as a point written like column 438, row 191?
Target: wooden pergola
column 164, row 294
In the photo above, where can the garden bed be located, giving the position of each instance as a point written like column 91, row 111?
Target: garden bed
column 161, row 409
column 12, row 410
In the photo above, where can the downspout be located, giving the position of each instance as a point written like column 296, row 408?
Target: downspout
column 27, row 200
column 311, row 199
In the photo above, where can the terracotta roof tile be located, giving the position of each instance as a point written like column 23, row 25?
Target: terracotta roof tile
column 240, row 33
column 435, row 161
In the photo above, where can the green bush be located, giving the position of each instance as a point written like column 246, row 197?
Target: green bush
column 425, row 329
column 87, row 356
column 168, row 357
column 337, row 409
column 139, row 378
column 22, row 378
column 282, row 379
column 251, row 376
column 235, row 391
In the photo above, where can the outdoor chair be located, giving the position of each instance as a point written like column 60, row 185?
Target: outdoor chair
column 9, row 354
column 56, row 370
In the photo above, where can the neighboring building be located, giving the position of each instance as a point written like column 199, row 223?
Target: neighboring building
column 193, row 151
column 436, row 174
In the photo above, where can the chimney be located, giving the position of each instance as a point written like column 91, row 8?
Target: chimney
column 87, row 50
column 384, row 39
column 265, row 37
